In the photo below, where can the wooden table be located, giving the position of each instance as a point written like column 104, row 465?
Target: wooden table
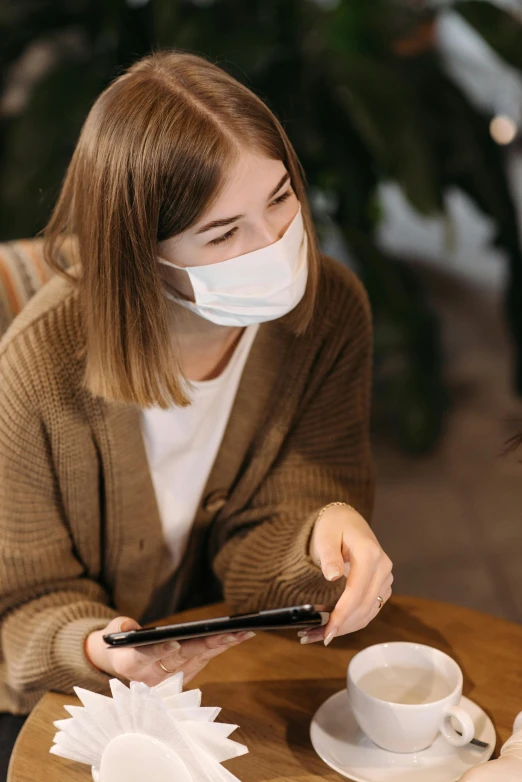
column 271, row 687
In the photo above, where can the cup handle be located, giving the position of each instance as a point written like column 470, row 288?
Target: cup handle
column 466, row 726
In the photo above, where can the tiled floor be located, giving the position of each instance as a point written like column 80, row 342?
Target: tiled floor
column 452, row 521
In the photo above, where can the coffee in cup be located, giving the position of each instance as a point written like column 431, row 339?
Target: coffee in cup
column 403, row 694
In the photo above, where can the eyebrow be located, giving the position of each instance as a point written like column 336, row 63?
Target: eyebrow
column 227, row 220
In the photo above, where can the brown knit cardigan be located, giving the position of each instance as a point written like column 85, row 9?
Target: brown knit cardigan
column 80, row 534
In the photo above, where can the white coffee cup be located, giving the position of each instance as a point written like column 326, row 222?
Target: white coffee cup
column 403, row 694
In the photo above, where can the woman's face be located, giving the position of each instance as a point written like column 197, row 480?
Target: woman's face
column 254, row 209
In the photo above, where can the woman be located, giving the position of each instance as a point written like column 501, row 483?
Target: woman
column 184, row 413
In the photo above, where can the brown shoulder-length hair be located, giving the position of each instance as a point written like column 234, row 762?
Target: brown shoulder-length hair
column 152, row 156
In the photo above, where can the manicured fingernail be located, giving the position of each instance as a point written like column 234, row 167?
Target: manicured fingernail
column 245, row 636
column 310, row 639
column 331, row 635
column 174, row 645
column 332, row 572
column 315, row 635
column 228, row 639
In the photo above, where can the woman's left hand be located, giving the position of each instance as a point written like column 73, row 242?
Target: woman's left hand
column 341, row 536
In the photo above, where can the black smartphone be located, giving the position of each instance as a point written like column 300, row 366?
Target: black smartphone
column 294, row 617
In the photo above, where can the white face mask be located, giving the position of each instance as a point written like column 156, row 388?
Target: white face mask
column 252, row 288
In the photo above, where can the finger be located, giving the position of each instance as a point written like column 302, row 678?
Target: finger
column 364, row 620
column 121, row 624
column 195, row 646
column 361, row 617
column 146, row 655
column 152, row 673
column 311, row 638
column 151, row 653
column 205, row 649
column 328, row 550
column 126, row 624
column 195, row 664
column 379, row 586
column 357, row 622
column 363, row 563
column 318, row 633
column 190, row 666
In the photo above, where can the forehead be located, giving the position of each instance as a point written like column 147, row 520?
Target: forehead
column 251, row 179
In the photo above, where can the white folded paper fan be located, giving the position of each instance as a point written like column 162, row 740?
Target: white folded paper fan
column 147, row 733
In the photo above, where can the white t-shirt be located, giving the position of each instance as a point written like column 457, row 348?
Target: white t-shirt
column 182, row 444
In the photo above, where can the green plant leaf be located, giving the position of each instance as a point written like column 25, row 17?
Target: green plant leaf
column 380, row 106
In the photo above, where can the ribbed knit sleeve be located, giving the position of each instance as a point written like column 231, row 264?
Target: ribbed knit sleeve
column 47, row 606
column 261, row 554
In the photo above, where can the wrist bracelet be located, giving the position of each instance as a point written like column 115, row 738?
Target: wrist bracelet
column 333, row 505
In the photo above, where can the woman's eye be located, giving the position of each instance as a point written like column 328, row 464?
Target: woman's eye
column 224, row 238
column 281, row 198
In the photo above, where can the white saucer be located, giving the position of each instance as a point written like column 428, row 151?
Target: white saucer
column 338, row 741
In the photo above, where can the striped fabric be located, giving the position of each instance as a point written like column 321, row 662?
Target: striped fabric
column 23, row 271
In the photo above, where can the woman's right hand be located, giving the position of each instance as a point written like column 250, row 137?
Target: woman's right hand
column 142, row 663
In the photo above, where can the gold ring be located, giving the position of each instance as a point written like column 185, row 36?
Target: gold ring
column 165, row 669
column 379, row 600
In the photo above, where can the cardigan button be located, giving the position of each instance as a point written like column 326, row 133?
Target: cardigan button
column 214, row 501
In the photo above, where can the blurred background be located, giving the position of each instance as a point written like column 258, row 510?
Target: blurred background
column 406, row 117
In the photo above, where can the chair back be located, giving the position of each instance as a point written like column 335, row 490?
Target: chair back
column 23, row 271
